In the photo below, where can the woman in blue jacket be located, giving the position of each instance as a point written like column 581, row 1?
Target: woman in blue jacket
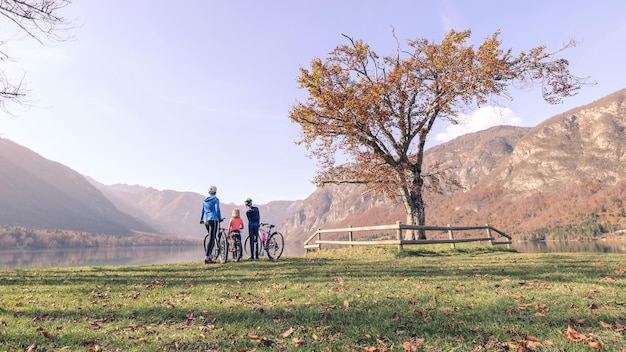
column 211, row 217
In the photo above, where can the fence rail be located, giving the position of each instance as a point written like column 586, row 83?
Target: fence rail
column 316, row 241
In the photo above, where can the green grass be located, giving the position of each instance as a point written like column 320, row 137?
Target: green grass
column 359, row 299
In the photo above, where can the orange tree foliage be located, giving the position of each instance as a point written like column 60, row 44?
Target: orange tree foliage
column 378, row 111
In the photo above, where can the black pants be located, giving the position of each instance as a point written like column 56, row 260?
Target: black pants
column 253, row 233
column 211, row 229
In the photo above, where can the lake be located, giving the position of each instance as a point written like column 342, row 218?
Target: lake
column 21, row 259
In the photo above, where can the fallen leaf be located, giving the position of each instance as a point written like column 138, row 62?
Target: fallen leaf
column 409, row 346
column 260, row 340
column 574, row 335
column 287, row 332
column 595, row 345
column 297, row 341
column 576, row 322
column 605, row 325
column 88, row 342
column 510, row 344
column 532, row 345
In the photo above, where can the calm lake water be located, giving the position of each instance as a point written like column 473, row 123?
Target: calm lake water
column 167, row 255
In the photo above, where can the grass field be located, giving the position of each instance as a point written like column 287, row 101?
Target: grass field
column 359, row 299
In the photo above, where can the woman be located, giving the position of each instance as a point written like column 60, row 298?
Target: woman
column 210, row 217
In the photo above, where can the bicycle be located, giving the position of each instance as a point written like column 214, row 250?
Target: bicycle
column 231, row 244
column 215, row 252
column 222, row 245
column 272, row 243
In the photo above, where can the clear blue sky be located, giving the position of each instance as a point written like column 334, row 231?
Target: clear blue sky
column 185, row 94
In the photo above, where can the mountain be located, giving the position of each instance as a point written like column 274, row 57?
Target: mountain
column 565, row 177
column 586, row 144
column 170, row 212
column 36, row 192
column 178, row 213
column 39, row 193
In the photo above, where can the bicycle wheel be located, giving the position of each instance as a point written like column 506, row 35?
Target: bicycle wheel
column 246, row 247
column 261, row 247
column 275, row 245
column 238, row 252
column 222, row 247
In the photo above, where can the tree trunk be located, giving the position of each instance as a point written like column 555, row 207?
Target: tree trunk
column 415, row 215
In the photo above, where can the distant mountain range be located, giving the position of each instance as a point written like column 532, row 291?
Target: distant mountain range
column 564, row 177
column 37, row 192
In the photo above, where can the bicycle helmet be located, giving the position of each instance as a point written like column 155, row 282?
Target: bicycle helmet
column 248, row 201
column 212, row 190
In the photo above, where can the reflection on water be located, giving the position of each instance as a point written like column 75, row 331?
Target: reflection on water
column 22, row 259
column 599, row 246
column 98, row 256
column 18, row 259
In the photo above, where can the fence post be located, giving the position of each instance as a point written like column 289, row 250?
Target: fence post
column 489, row 234
column 350, row 237
column 452, row 245
column 319, row 238
column 399, row 234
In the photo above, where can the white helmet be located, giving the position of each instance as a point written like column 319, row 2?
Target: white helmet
column 212, row 190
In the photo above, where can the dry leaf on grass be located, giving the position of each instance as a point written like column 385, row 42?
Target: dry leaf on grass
column 297, row 341
column 287, row 332
column 595, row 345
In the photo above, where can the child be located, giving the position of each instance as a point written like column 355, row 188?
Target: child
column 235, row 225
column 254, row 221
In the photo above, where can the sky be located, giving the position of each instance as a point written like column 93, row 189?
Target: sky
column 181, row 95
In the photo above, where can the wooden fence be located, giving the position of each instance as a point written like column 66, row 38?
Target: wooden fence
column 316, row 241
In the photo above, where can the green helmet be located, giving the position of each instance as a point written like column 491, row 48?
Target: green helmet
column 248, row 201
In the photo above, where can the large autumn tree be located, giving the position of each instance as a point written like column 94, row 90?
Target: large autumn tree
column 36, row 19
column 378, row 111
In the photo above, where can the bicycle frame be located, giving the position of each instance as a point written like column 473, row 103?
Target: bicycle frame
column 270, row 242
